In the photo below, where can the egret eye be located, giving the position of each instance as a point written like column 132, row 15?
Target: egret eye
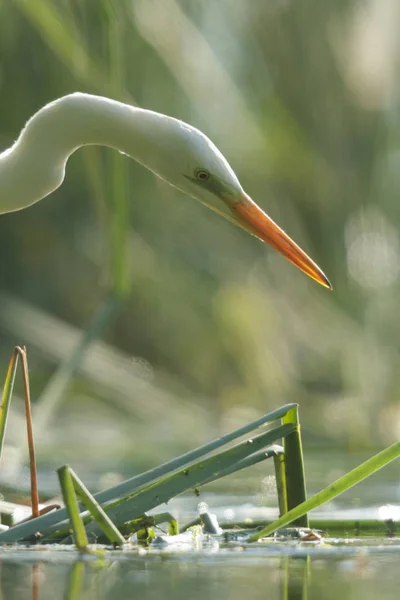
column 202, row 174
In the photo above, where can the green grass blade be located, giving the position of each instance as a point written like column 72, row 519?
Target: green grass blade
column 119, row 225
column 134, row 506
column 249, row 461
column 294, row 467
column 280, row 477
column 56, row 387
column 71, row 503
column 96, row 511
column 188, row 478
column 335, row 489
column 64, row 40
column 130, row 485
column 7, row 395
column 119, row 180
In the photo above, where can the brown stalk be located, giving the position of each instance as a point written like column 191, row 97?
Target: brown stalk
column 29, row 430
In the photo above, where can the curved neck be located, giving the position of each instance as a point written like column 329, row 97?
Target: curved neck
column 60, row 128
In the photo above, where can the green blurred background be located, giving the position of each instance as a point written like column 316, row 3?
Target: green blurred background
column 214, row 328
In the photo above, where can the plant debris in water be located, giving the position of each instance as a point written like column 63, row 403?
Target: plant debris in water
column 118, row 515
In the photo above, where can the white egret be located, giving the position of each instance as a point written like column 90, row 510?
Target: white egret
column 35, row 165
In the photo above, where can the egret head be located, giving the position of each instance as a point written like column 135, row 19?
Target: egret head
column 188, row 160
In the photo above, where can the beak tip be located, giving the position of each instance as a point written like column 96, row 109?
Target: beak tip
column 328, row 284
column 256, row 222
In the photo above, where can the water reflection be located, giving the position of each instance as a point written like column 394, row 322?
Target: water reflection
column 235, row 574
column 296, row 578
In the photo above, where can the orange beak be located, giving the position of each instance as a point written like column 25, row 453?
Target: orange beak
column 256, row 222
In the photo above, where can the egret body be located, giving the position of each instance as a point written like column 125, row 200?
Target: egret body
column 178, row 153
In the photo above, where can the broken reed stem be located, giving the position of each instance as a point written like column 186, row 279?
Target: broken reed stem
column 71, row 503
column 294, row 467
column 281, row 487
column 72, row 489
